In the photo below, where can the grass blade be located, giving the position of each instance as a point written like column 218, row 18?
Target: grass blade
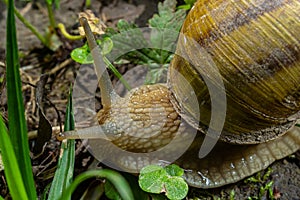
column 64, row 173
column 16, row 116
column 114, row 177
column 11, row 169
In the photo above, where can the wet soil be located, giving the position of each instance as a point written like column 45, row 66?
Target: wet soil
column 37, row 60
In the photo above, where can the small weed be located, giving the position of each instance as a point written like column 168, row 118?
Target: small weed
column 266, row 186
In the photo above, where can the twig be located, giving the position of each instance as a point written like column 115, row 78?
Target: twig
column 60, row 66
column 33, row 134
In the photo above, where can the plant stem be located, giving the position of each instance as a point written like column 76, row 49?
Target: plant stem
column 88, row 3
column 66, row 34
column 51, row 17
column 116, row 72
column 31, row 28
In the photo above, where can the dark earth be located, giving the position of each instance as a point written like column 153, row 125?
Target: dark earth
column 36, row 60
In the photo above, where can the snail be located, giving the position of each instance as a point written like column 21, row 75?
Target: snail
column 255, row 48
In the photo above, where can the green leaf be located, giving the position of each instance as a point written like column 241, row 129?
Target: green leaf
column 82, row 55
column 12, row 172
column 174, row 170
column 65, row 167
column 156, row 179
column 49, row 2
column 124, row 26
column 232, row 194
column 137, row 191
column 114, row 177
column 191, row 2
column 111, row 192
column 184, row 7
column 129, row 38
column 168, row 17
column 16, row 111
column 167, row 24
column 45, row 192
column 176, row 188
column 188, row 5
column 106, row 45
column 157, row 73
column 152, row 178
column 1, row 162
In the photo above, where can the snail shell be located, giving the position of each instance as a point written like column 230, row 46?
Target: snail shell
column 255, row 48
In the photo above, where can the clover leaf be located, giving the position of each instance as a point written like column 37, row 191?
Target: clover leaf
column 168, row 180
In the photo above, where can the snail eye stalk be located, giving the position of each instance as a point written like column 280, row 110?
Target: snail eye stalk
column 107, row 92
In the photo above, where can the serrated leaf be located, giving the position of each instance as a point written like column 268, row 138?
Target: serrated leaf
column 166, row 26
column 156, row 74
column 167, row 16
column 176, row 188
column 167, row 5
column 123, row 25
column 174, row 170
column 128, row 39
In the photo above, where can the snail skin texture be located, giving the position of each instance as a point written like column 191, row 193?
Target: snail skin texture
column 255, row 46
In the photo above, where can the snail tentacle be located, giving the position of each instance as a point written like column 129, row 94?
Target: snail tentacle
column 108, row 94
column 255, row 49
column 106, row 131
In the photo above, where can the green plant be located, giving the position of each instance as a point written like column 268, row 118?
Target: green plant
column 266, row 186
column 65, row 167
column 14, row 145
column 157, row 60
column 15, row 149
column 22, row 179
column 45, row 39
column 49, row 37
column 188, row 4
column 168, row 180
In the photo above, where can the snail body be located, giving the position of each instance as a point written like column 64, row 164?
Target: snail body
column 255, row 48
